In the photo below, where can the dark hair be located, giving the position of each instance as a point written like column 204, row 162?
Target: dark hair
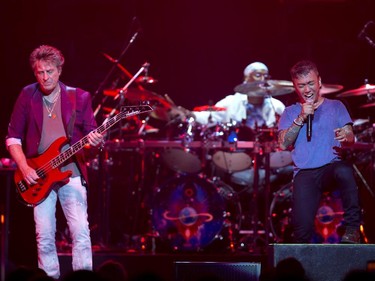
column 303, row 68
column 47, row 53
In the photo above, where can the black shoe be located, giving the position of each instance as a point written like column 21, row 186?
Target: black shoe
column 352, row 236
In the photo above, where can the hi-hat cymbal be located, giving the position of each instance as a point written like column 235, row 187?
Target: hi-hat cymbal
column 330, row 89
column 263, row 88
column 209, row 108
column 136, row 95
column 363, row 90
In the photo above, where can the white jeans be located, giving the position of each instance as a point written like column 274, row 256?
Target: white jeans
column 73, row 199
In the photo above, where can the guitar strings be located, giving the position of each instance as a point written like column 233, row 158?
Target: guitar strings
column 59, row 159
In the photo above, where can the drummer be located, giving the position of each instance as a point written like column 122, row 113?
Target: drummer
column 249, row 111
column 251, row 108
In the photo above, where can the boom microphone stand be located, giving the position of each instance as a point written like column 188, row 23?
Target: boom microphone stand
column 101, row 85
column 106, row 186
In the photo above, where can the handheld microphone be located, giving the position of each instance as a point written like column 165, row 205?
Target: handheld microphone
column 309, row 127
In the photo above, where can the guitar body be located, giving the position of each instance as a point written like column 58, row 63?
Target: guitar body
column 32, row 195
column 47, row 165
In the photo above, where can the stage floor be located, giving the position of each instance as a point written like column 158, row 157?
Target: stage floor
column 164, row 265
column 322, row 262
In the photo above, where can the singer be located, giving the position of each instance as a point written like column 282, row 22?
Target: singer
column 317, row 165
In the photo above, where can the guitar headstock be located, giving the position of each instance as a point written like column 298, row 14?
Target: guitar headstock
column 136, row 109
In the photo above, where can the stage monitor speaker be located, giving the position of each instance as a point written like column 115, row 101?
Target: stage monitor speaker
column 325, row 262
column 234, row 271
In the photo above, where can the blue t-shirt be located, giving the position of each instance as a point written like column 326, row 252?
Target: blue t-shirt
column 331, row 114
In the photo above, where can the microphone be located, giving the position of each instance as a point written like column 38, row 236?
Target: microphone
column 134, row 37
column 370, row 42
column 146, row 66
column 309, row 127
column 362, row 34
column 136, row 22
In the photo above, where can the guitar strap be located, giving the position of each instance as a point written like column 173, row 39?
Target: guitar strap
column 71, row 92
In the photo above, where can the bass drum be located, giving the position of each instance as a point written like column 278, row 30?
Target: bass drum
column 328, row 218
column 190, row 212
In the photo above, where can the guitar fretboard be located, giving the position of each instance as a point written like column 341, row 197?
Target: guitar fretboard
column 69, row 152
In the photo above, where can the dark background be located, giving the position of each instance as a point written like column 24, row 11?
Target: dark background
column 197, row 50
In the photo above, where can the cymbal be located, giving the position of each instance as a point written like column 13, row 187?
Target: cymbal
column 146, row 80
column 363, row 90
column 209, row 108
column 109, row 109
column 330, row 89
column 262, row 88
column 135, row 95
column 123, row 69
column 367, row 105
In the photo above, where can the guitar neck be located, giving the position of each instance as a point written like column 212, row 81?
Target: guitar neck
column 125, row 112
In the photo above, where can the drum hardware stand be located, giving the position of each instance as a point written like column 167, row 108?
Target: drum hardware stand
column 254, row 197
column 138, row 198
column 143, row 126
column 360, row 175
column 122, row 92
column 363, row 179
column 104, row 163
column 153, row 233
column 258, row 151
column 115, row 64
column 267, row 150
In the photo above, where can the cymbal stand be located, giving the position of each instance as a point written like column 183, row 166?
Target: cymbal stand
column 358, row 172
column 257, row 151
column 100, row 88
column 260, row 151
column 139, row 194
column 122, row 92
column 105, row 164
column 267, row 189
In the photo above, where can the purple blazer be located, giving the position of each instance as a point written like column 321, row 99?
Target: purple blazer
column 27, row 119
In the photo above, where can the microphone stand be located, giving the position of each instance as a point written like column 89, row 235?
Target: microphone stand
column 122, row 92
column 101, row 85
column 107, row 185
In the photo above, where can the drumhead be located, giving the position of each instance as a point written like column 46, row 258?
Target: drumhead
column 231, row 161
column 327, row 220
column 188, row 212
column 181, row 160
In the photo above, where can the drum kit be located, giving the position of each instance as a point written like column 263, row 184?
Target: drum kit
column 185, row 168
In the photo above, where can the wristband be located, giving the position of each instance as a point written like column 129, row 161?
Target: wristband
column 298, row 124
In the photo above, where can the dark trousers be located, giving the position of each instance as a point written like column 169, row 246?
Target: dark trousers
column 309, row 185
